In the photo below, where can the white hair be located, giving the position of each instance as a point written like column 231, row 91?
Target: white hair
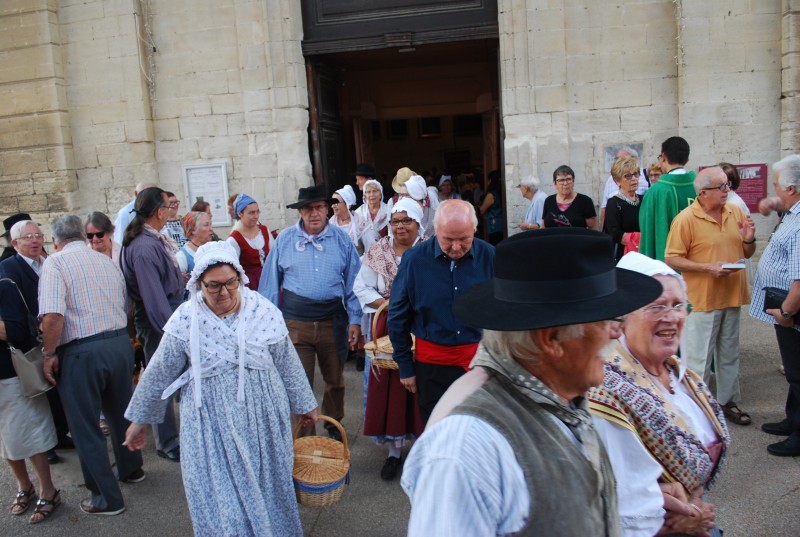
column 629, row 150
column 789, row 168
column 16, row 230
column 520, row 344
column 531, row 182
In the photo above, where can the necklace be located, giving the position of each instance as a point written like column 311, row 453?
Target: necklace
column 235, row 306
column 196, row 246
column 634, row 202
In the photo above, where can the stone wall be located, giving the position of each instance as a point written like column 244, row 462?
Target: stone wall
column 577, row 76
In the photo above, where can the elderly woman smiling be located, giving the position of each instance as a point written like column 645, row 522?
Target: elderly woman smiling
column 197, row 226
column 100, row 233
column 228, row 350
column 663, row 430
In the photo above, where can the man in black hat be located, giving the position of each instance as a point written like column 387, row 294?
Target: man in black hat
column 518, row 422
column 309, row 275
column 363, row 173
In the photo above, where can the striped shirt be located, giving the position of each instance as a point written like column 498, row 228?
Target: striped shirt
column 85, row 288
column 780, row 263
column 316, row 275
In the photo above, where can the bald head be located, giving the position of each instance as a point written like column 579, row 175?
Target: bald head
column 709, row 177
column 455, row 223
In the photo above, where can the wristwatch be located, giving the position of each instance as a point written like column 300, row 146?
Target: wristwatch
column 49, row 354
column 786, row 315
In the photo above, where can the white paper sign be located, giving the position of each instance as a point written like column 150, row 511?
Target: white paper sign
column 208, row 182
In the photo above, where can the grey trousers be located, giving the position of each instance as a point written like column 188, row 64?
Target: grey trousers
column 97, row 375
column 714, row 336
column 165, row 434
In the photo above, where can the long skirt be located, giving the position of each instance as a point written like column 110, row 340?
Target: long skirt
column 392, row 412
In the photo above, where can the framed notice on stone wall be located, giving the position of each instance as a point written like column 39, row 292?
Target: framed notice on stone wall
column 752, row 183
column 208, row 182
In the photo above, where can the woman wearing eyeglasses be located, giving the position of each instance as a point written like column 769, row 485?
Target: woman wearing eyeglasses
column 392, row 414
column 568, row 208
column 622, row 209
column 343, row 201
column 100, row 233
column 663, row 430
column 173, row 228
column 228, row 350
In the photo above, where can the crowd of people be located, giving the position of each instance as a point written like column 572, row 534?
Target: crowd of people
column 612, row 369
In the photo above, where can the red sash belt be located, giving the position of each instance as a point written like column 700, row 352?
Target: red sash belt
column 451, row 355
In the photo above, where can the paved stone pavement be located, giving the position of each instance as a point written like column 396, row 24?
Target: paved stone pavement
column 756, row 495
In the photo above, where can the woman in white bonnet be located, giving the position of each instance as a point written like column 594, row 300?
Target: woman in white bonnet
column 228, row 350
column 374, row 212
column 345, row 218
column 664, row 432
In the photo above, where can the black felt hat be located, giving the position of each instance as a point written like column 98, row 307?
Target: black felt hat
column 554, row 277
column 365, row 170
column 9, row 222
column 310, row 195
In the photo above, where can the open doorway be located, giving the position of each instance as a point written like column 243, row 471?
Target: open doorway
column 433, row 108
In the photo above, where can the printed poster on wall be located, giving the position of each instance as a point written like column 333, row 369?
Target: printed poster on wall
column 208, row 182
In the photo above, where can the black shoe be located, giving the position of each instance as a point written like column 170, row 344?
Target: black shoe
column 786, row 448
column 65, row 443
column 390, row 468
column 52, row 457
column 334, row 433
column 360, row 363
column 780, row 428
column 173, row 454
column 135, row 477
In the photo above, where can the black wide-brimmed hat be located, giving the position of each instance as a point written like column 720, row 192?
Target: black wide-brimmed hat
column 9, row 222
column 554, row 277
column 310, row 195
column 365, row 170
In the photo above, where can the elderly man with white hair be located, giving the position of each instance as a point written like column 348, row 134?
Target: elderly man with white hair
column 529, row 188
column 430, row 277
column 779, row 268
column 88, row 357
column 511, row 449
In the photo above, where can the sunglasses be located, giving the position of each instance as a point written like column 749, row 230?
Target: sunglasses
column 99, row 235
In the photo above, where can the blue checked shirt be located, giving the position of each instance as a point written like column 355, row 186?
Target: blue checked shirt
column 780, row 263
column 313, row 274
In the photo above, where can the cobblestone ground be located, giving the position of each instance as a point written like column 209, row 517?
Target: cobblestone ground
column 756, row 495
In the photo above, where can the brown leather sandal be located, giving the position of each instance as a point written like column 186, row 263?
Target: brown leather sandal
column 22, row 501
column 734, row 414
column 44, row 508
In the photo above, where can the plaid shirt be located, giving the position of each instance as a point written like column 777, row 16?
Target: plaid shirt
column 86, row 288
column 779, row 265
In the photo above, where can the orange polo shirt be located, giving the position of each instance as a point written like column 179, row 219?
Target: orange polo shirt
column 699, row 238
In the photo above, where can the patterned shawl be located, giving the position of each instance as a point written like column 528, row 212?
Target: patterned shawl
column 630, row 398
column 381, row 258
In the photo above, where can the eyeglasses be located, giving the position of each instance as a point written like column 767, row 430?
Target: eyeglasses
column 31, row 236
column 405, row 221
column 657, row 312
column 565, row 180
column 175, row 204
column 334, row 202
column 630, row 176
column 216, row 287
column 315, row 208
column 99, row 235
column 722, row 188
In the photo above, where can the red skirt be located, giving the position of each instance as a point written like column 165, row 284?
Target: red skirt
column 392, row 411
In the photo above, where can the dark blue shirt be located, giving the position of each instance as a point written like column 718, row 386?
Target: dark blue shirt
column 422, row 298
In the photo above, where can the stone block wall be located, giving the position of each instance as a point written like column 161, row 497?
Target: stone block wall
column 577, row 76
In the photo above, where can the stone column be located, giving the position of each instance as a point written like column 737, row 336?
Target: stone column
column 36, row 164
column 790, row 80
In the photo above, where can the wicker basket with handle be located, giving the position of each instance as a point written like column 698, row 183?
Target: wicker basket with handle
column 381, row 348
column 321, row 467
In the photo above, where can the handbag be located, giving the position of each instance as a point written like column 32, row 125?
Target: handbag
column 773, row 299
column 29, row 365
column 381, row 349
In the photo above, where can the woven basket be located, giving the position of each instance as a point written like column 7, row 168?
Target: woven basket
column 321, row 467
column 382, row 352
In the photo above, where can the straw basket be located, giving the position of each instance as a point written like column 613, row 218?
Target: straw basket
column 321, row 467
column 381, row 348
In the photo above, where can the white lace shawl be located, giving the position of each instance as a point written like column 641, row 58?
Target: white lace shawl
column 215, row 347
